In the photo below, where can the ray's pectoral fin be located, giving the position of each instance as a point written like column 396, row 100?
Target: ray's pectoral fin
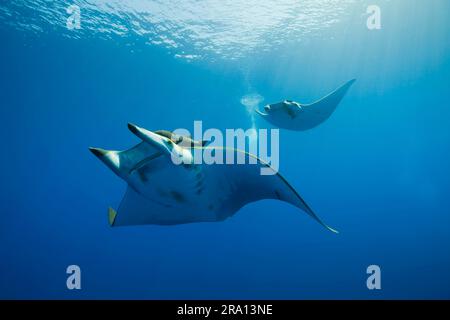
column 317, row 112
column 248, row 186
column 285, row 192
column 135, row 209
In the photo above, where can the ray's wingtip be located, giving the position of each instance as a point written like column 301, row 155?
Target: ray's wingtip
column 332, row 230
column 133, row 128
column 98, row 152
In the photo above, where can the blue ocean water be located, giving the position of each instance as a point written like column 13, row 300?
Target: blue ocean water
column 377, row 170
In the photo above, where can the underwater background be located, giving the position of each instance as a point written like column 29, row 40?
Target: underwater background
column 377, row 170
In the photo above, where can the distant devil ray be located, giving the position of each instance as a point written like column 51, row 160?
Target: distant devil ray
column 163, row 193
column 296, row 116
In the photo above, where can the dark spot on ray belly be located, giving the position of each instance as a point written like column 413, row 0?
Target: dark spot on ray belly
column 178, row 197
column 211, row 207
column 291, row 113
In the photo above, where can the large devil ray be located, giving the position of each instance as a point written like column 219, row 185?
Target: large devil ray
column 292, row 115
column 163, row 193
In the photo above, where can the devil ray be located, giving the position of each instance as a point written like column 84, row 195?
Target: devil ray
column 295, row 116
column 162, row 192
